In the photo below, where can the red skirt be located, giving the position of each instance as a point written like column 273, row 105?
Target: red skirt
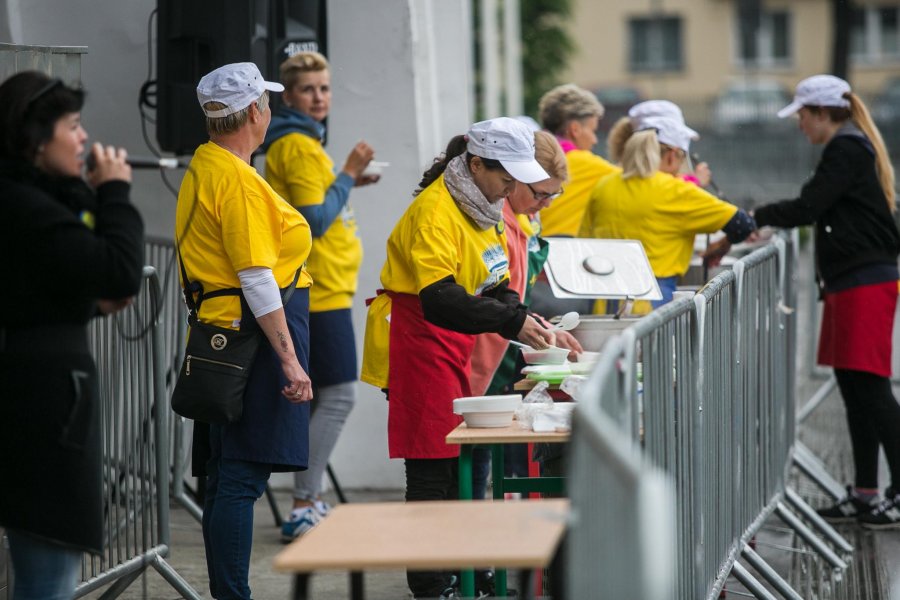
column 857, row 328
column 428, row 369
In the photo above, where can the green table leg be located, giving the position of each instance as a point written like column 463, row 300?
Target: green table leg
column 467, row 576
column 465, row 471
column 499, row 480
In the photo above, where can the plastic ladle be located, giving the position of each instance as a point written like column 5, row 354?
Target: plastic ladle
column 568, row 321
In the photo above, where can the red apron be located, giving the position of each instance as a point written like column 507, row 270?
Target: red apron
column 857, row 328
column 428, row 370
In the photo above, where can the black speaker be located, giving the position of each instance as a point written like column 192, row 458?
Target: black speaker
column 196, row 36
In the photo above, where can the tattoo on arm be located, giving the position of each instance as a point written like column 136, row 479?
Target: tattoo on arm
column 283, row 339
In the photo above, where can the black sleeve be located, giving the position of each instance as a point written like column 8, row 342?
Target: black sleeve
column 833, row 177
column 446, row 304
column 106, row 262
column 739, row 227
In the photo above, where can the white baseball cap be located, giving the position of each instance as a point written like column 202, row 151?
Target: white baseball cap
column 670, row 131
column 657, row 108
column 509, row 141
column 818, row 90
column 236, row 86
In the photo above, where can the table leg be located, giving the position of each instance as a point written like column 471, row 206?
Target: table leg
column 357, row 592
column 465, row 471
column 499, row 481
column 301, row 586
column 466, row 576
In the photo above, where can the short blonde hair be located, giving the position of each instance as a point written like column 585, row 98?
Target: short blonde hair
column 550, row 155
column 566, row 103
column 642, row 155
column 234, row 121
column 302, row 62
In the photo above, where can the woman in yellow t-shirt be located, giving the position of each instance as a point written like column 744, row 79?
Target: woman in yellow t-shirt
column 241, row 241
column 301, row 171
column 573, row 114
column 648, row 202
column 446, row 279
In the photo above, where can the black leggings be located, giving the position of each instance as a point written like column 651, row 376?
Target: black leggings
column 873, row 417
column 431, row 479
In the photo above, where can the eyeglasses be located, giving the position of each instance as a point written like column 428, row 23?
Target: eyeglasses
column 541, row 196
column 46, row 89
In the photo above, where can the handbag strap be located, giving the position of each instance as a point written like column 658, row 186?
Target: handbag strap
column 190, row 288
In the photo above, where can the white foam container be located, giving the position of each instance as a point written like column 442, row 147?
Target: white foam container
column 487, row 411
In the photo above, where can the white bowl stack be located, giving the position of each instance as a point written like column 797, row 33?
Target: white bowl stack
column 487, row 411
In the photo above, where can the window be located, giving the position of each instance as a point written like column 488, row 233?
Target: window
column 655, row 44
column 769, row 45
column 875, row 34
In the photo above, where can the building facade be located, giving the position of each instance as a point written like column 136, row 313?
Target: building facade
column 695, row 49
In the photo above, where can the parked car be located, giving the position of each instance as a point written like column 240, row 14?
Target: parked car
column 886, row 107
column 616, row 100
column 749, row 105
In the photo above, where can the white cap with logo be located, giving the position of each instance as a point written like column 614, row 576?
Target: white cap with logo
column 509, row 141
column 657, row 108
column 818, row 90
column 670, row 131
column 236, row 86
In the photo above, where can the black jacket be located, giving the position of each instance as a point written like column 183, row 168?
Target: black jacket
column 854, row 227
column 63, row 248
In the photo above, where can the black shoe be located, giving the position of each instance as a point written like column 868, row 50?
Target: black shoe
column 452, row 590
column 885, row 516
column 846, row 510
column 485, row 586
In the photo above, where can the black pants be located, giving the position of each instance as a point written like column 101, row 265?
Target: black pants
column 873, row 418
column 431, row 479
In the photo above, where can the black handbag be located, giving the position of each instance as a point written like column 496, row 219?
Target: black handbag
column 217, row 361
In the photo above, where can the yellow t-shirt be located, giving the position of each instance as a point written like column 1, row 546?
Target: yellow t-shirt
column 229, row 219
column 663, row 212
column 301, row 172
column 433, row 239
column 563, row 216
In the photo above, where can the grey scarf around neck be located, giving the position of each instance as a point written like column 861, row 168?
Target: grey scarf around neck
column 468, row 197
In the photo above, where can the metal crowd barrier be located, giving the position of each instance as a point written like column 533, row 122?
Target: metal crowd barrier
column 618, row 492
column 127, row 348
column 705, row 386
column 160, row 253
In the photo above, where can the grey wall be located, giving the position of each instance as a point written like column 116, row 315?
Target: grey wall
column 401, row 79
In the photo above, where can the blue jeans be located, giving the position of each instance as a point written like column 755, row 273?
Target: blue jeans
column 667, row 286
column 42, row 570
column 232, row 488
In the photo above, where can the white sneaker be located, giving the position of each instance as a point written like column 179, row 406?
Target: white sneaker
column 300, row 521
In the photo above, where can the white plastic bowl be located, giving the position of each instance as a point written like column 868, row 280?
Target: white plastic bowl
column 548, row 356
column 582, row 367
column 587, row 356
column 488, row 419
column 487, row 411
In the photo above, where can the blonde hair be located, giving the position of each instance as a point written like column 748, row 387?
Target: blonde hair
column 618, row 135
column 641, row 155
column 859, row 114
column 234, row 121
column 550, row 155
column 566, row 103
column 302, row 62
